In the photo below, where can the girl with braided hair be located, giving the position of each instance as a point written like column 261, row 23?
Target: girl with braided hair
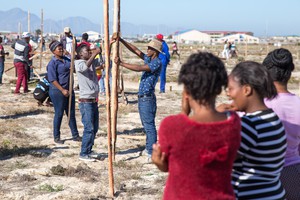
column 198, row 146
column 286, row 105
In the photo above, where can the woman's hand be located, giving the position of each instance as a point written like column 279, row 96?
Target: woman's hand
column 65, row 92
column 159, row 158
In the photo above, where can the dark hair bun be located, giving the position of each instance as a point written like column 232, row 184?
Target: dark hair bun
column 281, row 58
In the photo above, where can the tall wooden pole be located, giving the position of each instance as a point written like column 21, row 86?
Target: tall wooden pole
column 42, row 30
column 71, row 79
column 108, row 114
column 115, row 70
column 28, row 22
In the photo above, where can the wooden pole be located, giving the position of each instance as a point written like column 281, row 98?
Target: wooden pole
column 115, row 69
column 108, row 111
column 28, row 28
column 41, row 43
column 71, row 79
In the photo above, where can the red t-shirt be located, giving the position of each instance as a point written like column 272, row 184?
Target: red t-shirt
column 200, row 157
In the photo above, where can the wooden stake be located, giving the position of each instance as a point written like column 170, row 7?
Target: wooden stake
column 108, row 111
column 71, row 79
column 42, row 27
column 115, row 69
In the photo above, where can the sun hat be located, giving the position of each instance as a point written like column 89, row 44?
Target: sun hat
column 160, row 37
column 155, row 44
column 25, row 35
column 67, row 30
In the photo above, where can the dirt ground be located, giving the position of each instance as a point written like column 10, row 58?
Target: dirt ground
column 34, row 167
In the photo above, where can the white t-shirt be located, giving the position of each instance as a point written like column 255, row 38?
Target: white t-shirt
column 69, row 44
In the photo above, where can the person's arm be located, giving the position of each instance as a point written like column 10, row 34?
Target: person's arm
column 63, row 91
column 94, row 54
column 159, row 158
column 133, row 67
column 132, row 48
column 26, row 55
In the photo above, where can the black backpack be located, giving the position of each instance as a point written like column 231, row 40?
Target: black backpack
column 41, row 91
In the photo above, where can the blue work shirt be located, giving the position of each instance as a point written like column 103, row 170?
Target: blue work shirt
column 165, row 55
column 59, row 70
column 148, row 79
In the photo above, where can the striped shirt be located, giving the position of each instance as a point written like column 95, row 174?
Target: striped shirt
column 21, row 53
column 260, row 158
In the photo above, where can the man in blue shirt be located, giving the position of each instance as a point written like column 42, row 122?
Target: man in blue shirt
column 146, row 96
column 165, row 59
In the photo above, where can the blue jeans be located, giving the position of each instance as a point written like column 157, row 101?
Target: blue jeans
column 90, row 120
column 147, row 111
column 61, row 105
column 163, row 78
column 1, row 70
column 102, row 82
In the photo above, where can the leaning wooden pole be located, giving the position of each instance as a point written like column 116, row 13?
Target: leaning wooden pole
column 108, row 111
column 115, row 70
column 71, row 79
column 42, row 30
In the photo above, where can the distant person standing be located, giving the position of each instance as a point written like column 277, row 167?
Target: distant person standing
column 66, row 41
column 225, row 52
column 175, row 49
column 165, row 59
column 84, row 39
column 21, row 61
column 2, row 59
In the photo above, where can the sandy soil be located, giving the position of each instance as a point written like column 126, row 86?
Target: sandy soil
column 34, row 167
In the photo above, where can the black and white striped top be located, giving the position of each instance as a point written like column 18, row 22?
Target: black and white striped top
column 260, row 158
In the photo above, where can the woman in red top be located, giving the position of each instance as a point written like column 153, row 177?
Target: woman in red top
column 198, row 146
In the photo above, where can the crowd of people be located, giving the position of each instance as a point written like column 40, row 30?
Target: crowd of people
column 248, row 149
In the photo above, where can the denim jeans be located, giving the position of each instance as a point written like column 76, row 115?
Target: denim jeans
column 1, row 70
column 61, row 105
column 102, row 82
column 90, row 120
column 163, row 78
column 147, row 111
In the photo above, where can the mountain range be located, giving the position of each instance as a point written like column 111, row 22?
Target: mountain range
column 16, row 18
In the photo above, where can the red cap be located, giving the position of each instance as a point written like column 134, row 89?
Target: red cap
column 159, row 36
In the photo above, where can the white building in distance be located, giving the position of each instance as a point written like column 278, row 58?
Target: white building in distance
column 191, row 37
column 237, row 38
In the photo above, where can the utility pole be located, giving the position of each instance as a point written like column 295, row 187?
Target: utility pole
column 28, row 19
column 41, row 42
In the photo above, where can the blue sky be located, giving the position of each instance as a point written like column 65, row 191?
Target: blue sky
column 271, row 17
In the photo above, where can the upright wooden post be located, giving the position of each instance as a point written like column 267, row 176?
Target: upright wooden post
column 115, row 70
column 108, row 111
column 246, row 48
column 28, row 22
column 42, row 30
column 71, row 79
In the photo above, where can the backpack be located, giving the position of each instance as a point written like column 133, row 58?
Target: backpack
column 41, row 91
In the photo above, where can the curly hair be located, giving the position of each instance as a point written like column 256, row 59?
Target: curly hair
column 203, row 76
column 257, row 77
column 280, row 64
